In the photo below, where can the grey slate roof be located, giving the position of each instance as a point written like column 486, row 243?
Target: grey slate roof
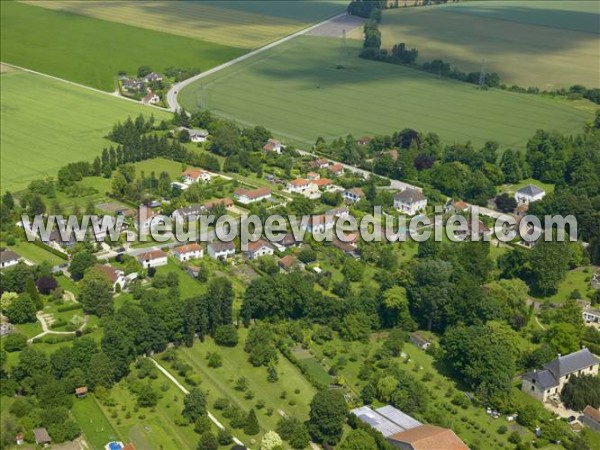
column 531, row 190
column 409, row 196
column 542, row 378
column 189, row 210
column 571, row 363
column 7, row 255
column 553, row 371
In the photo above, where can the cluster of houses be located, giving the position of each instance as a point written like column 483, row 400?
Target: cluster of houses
column 406, row 433
column 134, row 86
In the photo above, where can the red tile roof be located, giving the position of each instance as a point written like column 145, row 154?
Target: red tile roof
column 188, row 248
column 299, row 182
column 337, row 167
column 430, row 437
column 253, row 193
column 109, row 271
column 153, row 254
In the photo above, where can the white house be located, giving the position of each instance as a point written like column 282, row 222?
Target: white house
column 153, row 258
column 549, row 381
column 410, row 201
column 151, row 98
column 8, row 259
column 258, row 249
column 299, row 185
column 220, row 250
column 247, row 196
column 528, row 194
column 353, row 195
column 195, row 135
column 319, row 223
column 338, row 212
column 273, row 145
column 190, row 176
column 191, row 212
column 115, row 276
column 189, row 251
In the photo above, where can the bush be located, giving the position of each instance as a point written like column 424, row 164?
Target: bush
column 221, row 404
column 15, row 342
column 514, row 438
column 502, row 429
column 226, row 335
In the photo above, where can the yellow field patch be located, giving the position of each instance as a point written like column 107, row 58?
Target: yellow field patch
column 523, row 54
column 190, row 19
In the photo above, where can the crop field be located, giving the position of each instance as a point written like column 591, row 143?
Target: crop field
column 47, row 123
column 297, row 90
column 91, row 51
column 548, row 44
column 245, row 24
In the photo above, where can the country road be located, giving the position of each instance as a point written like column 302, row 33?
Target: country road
column 172, row 94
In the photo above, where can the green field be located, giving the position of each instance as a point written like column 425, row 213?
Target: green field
column 243, row 24
column 48, row 123
column 296, row 90
column 91, row 51
column 547, row 44
column 96, row 426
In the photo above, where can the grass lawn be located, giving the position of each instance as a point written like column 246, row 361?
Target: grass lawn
column 529, row 43
column 220, row 383
column 29, row 329
column 297, row 91
column 97, row 428
column 33, row 253
column 68, row 46
column 247, row 24
column 577, row 279
column 70, row 124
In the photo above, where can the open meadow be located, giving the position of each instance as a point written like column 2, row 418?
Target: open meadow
column 67, row 46
column 529, row 43
column 47, row 124
column 299, row 91
column 234, row 23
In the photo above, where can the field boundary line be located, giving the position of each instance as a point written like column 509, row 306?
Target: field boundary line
column 73, row 83
column 182, row 388
column 176, row 88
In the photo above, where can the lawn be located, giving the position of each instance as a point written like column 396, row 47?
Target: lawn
column 33, row 253
column 529, row 43
column 297, row 90
column 97, row 428
column 92, row 51
column 220, row 383
column 70, row 124
column 576, row 280
column 246, row 24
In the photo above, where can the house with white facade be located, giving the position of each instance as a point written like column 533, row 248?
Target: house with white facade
column 274, row 146
column 189, row 251
column 115, row 276
column 151, row 98
column 259, row 248
column 353, row 195
column 8, row 259
column 319, row 223
column 336, row 169
column 299, row 185
column 528, row 194
column 191, row 212
column 247, row 196
column 190, row 176
column 153, row 258
column 195, row 135
column 548, row 382
column 220, row 250
column 410, row 201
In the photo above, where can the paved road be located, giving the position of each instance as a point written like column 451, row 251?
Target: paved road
column 172, row 94
column 182, row 388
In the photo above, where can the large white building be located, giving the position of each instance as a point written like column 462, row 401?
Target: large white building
column 549, row 381
column 153, row 258
column 410, row 201
column 528, row 194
